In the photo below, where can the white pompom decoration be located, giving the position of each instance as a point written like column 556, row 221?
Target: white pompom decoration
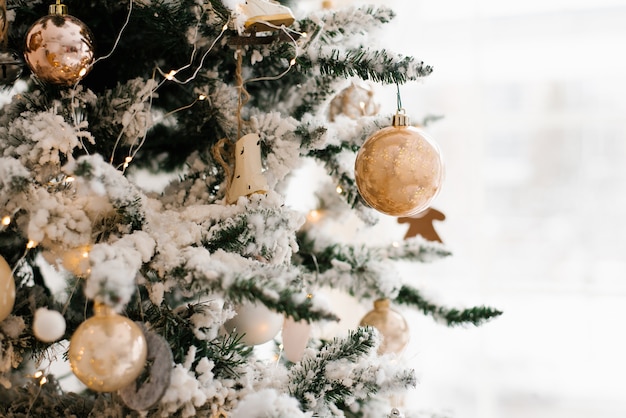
column 256, row 322
column 48, row 325
column 295, row 338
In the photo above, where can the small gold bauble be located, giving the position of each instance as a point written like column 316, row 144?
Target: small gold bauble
column 354, row 101
column 108, row 351
column 59, row 49
column 399, row 170
column 7, row 289
column 390, row 324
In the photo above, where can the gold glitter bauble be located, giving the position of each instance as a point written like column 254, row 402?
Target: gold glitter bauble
column 390, row 324
column 355, row 101
column 7, row 289
column 399, row 170
column 59, row 49
column 108, row 351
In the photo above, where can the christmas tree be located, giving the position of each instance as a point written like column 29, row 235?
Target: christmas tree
column 166, row 291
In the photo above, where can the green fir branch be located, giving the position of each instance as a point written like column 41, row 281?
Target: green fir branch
column 378, row 66
column 417, row 249
column 253, row 290
column 451, row 317
column 307, row 379
column 228, row 353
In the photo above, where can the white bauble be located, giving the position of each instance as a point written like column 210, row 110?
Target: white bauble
column 256, row 322
column 48, row 325
column 7, row 289
column 295, row 338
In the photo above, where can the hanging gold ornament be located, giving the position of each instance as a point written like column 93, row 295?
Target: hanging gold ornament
column 354, row 101
column 7, row 289
column 391, row 324
column 59, row 48
column 108, row 351
column 399, row 169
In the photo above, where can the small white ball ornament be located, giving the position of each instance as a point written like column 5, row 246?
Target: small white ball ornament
column 256, row 322
column 48, row 325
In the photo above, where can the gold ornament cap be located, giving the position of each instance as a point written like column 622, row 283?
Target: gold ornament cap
column 57, row 9
column 400, row 118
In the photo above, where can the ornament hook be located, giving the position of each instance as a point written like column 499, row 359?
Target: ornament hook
column 57, row 9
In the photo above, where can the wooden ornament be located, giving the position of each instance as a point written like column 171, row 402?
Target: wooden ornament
column 423, row 224
column 143, row 396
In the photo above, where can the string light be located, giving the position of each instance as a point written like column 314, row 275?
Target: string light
column 202, row 97
column 31, row 244
column 69, row 179
column 171, row 74
column 339, row 189
column 395, row 244
column 127, row 161
column 38, row 374
column 6, row 220
column 314, row 215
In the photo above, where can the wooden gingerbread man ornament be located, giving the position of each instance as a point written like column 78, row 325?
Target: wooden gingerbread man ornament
column 423, row 224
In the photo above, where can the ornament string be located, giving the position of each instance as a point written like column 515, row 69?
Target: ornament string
column 222, row 153
column 242, row 94
column 398, row 97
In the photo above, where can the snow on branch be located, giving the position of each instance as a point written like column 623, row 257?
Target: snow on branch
column 345, row 371
column 376, row 65
column 449, row 316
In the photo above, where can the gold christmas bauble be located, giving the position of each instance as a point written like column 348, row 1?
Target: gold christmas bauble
column 391, row 324
column 108, row 351
column 399, row 170
column 59, row 49
column 355, row 101
column 7, row 289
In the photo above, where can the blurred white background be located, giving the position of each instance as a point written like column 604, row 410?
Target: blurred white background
column 534, row 139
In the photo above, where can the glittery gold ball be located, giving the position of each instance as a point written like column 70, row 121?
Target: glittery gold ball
column 355, row 101
column 399, row 171
column 7, row 289
column 59, row 49
column 108, row 351
column 390, row 324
